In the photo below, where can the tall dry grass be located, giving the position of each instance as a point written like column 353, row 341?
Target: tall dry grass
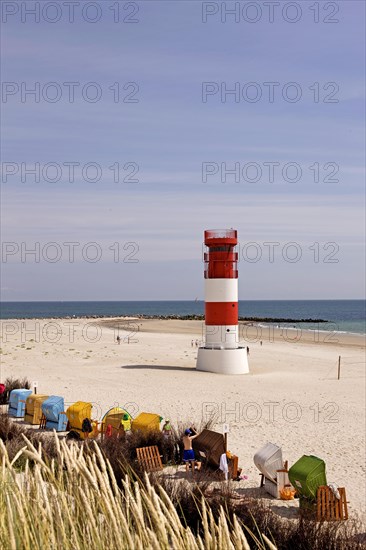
column 54, row 488
column 73, row 502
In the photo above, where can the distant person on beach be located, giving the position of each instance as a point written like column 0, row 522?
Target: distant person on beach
column 196, row 343
column 188, row 453
column 261, row 342
column 118, row 340
column 248, row 350
column 167, row 428
column 192, row 343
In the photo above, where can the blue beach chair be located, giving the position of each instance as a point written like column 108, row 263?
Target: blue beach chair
column 17, row 401
column 53, row 409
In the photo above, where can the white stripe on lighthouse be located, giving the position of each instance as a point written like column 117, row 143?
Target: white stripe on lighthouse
column 221, row 290
column 222, row 336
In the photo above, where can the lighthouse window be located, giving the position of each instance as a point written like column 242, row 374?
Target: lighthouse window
column 220, row 249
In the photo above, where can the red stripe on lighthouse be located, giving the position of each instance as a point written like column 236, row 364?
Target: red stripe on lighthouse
column 221, row 313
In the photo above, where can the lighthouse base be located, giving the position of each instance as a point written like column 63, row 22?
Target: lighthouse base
column 223, row 361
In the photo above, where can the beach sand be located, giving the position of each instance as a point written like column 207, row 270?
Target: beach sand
column 291, row 397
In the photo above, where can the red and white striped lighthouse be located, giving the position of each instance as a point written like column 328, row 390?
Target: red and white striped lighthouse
column 221, row 352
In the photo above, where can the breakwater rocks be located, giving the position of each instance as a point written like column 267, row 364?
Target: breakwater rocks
column 246, row 319
column 178, row 318
column 281, row 320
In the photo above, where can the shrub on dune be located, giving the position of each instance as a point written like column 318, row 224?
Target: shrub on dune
column 12, row 383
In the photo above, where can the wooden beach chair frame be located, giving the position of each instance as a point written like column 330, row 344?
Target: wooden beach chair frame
column 233, row 464
column 149, row 458
column 42, row 423
column 329, row 507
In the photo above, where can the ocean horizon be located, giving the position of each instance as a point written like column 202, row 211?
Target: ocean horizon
column 341, row 315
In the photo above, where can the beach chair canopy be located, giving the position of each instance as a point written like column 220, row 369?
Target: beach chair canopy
column 52, row 407
column 77, row 412
column 146, row 421
column 211, row 444
column 33, row 408
column 268, row 460
column 307, row 474
column 17, row 400
column 117, row 417
column 17, row 395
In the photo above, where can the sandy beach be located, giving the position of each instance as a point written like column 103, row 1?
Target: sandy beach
column 291, row 397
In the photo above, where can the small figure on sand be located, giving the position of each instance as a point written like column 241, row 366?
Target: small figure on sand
column 196, row 343
column 118, row 340
column 167, row 428
column 261, row 342
column 192, row 343
column 125, row 424
column 248, row 350
column 188, row 453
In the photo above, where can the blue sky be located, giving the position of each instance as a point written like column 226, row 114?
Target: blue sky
column 168, row 135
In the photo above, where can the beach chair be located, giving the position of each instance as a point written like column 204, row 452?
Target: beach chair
column 115, row 423
column 306, row 475
column 2, row 394
column 79, row 415
column 149, row 459
column 209, row 446
column 17, row 401
column 53, row 410
column 273, row 470
column 33, row 408
column 329, row 507
column 146, row 422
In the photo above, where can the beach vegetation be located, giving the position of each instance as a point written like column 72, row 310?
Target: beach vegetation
column 12, row 383
column 71, row 494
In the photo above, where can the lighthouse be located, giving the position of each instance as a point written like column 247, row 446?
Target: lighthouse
column 221, row 352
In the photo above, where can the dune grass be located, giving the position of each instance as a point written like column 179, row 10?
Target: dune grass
column 75, row 503
column 61, row 494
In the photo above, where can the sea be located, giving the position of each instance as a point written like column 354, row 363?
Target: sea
column 340, row 315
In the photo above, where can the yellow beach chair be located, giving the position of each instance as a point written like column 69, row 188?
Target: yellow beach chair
column 119, row 420
column 33, row 408
column 146, row 422
column 80, row 421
